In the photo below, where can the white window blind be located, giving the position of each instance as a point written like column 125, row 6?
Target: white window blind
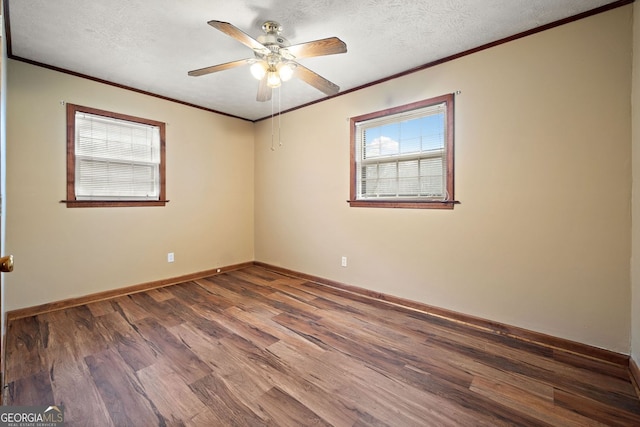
column 116, row 159
column 403, row 155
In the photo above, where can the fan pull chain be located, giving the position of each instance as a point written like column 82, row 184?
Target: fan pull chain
column 272, row 147
column 279, row 121
column 279, row 117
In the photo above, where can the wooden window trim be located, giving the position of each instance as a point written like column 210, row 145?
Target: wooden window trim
column 353, row 201
column 71, row 200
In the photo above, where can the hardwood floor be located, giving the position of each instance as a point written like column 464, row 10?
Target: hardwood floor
column 253, row 347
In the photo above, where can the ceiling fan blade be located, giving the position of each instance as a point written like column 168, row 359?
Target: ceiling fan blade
column 315, row 80
column 240, row 35
column 264, row 91
column 219, row 67
column 329, row 46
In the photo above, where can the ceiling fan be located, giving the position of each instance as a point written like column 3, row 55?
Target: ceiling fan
column 274, row 58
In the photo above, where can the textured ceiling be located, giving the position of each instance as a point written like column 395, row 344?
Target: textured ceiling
column 150, row 45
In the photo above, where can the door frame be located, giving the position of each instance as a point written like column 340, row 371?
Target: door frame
column 3, row 203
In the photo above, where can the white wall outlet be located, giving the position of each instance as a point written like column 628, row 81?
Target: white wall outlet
column 170, row 257
column 344, row 261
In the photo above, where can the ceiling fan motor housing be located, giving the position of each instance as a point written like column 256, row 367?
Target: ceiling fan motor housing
column 272, row 38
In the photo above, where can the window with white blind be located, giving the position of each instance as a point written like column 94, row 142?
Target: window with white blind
column 114, row 159
column 403, row 157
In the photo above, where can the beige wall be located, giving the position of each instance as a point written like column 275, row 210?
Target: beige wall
column 543, row 171
column 635, row 236
column 62, row 253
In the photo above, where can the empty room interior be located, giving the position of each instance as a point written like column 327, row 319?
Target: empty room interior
column 268, row 282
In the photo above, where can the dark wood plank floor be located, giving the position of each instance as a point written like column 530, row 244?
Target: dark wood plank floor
column 252, row 347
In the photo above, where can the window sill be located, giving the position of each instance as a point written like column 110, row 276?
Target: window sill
column 112, row 203
column 421, row 204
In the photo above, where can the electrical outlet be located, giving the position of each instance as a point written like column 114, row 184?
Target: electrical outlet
column 344, row 261
column 170, row 257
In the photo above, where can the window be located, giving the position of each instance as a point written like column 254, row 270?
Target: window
column 114, row 159
column 403, row 157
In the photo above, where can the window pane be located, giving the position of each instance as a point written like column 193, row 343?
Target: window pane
column 100, row 179
column 118, row 140
column 411, row 178
column 414, row 135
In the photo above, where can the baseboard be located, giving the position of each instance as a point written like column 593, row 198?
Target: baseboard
column 113, row 293
column 635, row 375
column 533, row 337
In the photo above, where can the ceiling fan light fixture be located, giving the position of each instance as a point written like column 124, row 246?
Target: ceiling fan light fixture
column 258, row 69
column 285, row 71
column 273, row 79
